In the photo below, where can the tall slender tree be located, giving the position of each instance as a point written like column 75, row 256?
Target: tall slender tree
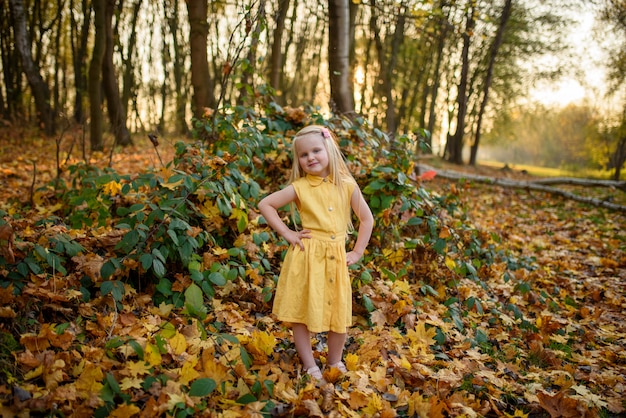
column 277, row 60
column 109, row 81
column 203, row 84
column 454, row 146
column 341, row 87
column 179, row 48
column 95, row 71
column 38, row 86
column 79, row 35
column 505, row 15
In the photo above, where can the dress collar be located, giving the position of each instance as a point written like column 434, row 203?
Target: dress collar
column 316, row 180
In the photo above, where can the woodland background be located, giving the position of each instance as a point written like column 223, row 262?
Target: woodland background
column 454, row 72
column 137, row 275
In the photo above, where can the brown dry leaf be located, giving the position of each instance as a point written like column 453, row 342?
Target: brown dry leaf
column 6, row 243
column 561, row 406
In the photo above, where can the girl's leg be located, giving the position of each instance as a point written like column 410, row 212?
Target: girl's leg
column 336, row 343
column 302, row 339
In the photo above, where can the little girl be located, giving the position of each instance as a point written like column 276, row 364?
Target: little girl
column 314, row 292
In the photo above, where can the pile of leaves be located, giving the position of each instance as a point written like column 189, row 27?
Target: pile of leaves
column 146, row 290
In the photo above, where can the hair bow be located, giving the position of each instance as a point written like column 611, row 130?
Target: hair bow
column 325, row 133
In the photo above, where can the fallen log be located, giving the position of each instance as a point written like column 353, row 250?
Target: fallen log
column 621, row 185
column 539, row 185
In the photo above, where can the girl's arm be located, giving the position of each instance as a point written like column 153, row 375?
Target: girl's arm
column 269, row 206
column 366, row 225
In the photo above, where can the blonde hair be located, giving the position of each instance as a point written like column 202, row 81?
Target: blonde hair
column 338, row 169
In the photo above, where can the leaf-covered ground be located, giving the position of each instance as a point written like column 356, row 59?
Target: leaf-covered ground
column 62, row 356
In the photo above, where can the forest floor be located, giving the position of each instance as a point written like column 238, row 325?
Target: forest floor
column 581, row 289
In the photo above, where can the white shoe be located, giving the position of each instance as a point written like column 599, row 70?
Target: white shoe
column 316, row 374
column 340, row 366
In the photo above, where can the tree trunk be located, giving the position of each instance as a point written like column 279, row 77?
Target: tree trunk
column 203, row 85
column 78, row 38
column 619, row 156
column 129, row 83
column 95, row 70
column 109, row 82
column 11, row 69
column 454, row 147
column 247, row 79
column 39, row 88
column 179, row 63
column 276, row 60
column 341, row 89
column 434, row 90
column 495, row 48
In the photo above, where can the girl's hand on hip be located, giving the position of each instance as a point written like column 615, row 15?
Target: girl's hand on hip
column 352, row 257
column 295, row 237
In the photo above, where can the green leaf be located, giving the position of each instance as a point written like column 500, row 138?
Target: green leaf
column 440, row 246
column 114, row 287
column 415, row 221
column 217, row 279
column 202, row 387
column 137, row 348
column 136, row 207
column 158, row 267
column 165, row 287
column 246, row 399
column 245, row 357
column 194, row 301
column 173, row 236
column 367, row 303
column 146, row 261
column 115, row 387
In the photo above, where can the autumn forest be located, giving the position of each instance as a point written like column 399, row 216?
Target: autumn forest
column 137, row 275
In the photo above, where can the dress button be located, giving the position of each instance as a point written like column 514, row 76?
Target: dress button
column 332, row 257
column 332, row 237
column 330, row 209
column 331, row 280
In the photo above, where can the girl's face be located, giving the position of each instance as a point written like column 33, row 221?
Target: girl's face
column 312, row 155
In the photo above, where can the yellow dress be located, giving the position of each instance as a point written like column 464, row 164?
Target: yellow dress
column 314, row 287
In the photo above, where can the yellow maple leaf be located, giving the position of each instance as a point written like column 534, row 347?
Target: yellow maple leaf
column 124, row 411
column 210, row 209
column 401, row 287
column 379, row 378
column 178, row 344
column 421, row 336
column 263, row 342
column 175, row 399
column 138, row 368
column 220, row 251
column 112, row 188
column 352, row 361
column 241, row 216
column 89, row 380
column 374, row 405
column 188, row 372
column 393, row 256
column 54, row 374
column 216, row 370
column 152, row 355
column 163, row 310
column 450, row 263
column 131, row 383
